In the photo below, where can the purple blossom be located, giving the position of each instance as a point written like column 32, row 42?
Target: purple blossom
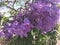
column 44, row 1
column 19, row 29
column 56, row 1
column 8, row 35
column 42, row 16
column 47, row 1
column 1, row 33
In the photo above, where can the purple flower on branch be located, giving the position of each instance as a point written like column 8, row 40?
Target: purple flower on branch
column 42, row 16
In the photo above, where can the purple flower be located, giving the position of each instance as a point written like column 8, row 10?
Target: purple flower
column 19, row 28
column 1, row 33
column 19, row 15
column 43, row 1
column 23, row 28
column 56, row 1
column 8, row 35
column 43, row 17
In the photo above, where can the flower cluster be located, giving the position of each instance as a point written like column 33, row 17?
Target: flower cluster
column 42, row 16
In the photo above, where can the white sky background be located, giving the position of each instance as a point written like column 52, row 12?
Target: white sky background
column 16, row 5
